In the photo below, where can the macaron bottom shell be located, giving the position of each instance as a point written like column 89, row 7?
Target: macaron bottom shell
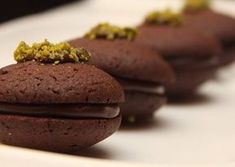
column 188, row 81
column 55, row 134
column 228, row 56
column 140, row 106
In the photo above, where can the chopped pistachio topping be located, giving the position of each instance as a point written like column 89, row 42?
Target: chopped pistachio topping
column 46, row 52
column 131, row 119
column 196, row 5
column 166, row 17
column 111, row 32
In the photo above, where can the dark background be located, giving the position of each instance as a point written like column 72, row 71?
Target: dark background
column 10, row 9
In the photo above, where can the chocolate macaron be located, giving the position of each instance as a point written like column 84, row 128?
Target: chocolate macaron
column 53, row 100
column 193, row 60
column 199, row 15
column 141, row 71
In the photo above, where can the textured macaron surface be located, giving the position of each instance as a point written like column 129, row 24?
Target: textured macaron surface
column 33, row 83
column 175, row 42
column 220, row 25
column 127, row 59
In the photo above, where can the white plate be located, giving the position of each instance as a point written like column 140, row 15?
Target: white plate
column 201, row 133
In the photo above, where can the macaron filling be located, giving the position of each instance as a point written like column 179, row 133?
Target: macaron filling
column 141, row 86
column 62, row 110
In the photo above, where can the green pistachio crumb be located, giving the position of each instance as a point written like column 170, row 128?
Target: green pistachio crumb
column 196, row 5
column 166, row 17
column 131, row 119
column 111, row 32
column 46, row 52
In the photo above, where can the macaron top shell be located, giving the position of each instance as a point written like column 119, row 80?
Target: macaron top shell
column 178, row 41
column 222, row 26
column 127, row 59
column 33, row 83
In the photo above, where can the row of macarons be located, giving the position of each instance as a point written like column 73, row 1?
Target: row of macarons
column 67, row 96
